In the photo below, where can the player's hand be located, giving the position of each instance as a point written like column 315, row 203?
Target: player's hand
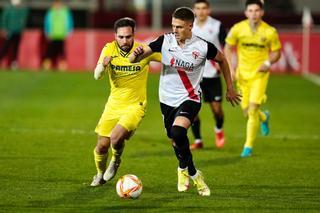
column 138, row 51
column 135, row 54
column 106, row 61
column 265, row 66
column 233, row 97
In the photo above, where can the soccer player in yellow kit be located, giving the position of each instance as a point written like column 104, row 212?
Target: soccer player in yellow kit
column 258, row 47
column 126, row 104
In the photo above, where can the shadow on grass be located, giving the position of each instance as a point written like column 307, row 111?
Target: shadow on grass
column 221, row 161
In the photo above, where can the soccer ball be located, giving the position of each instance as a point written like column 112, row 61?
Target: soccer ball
column 129, row 186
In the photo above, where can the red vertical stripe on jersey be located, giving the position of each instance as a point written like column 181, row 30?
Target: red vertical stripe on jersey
column 187, row 84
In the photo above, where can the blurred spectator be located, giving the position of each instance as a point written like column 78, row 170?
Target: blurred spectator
column 14, row 19
column 58, row 24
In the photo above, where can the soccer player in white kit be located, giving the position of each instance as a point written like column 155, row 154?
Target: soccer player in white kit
column 211, row 30
column 183, row 58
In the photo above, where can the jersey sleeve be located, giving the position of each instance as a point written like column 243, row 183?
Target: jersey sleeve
column 275, row 41
column 156, row 45
column 155, row 57
column 103, row 53
column 212, row 51
column 222, row 35
column 232, row 37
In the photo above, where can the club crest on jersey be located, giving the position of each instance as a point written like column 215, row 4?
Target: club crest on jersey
column 195, row 54
column 181, row 64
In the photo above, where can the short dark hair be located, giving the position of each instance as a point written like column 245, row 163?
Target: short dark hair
column 184, row 13
column 257, row 2
column 202, row 1
column 124, row 22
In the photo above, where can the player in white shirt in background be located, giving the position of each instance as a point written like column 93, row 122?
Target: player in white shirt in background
column 212, row 31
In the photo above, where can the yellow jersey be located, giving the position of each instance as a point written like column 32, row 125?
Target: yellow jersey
column 128, row 81
column 253, row 47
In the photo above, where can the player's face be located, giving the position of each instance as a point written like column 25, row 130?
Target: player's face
column 254, row 13
column 125, row 37
column 202, row 11
column 182, row 29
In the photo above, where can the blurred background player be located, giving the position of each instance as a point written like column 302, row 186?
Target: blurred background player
column 210, row 30
column 58, row 24
column 127, row 101
column 258, row 47
column 14, row 19
column 183, row 59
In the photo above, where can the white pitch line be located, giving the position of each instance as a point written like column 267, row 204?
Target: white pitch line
column 53, row 130
column 91, row 132
column 313, row 78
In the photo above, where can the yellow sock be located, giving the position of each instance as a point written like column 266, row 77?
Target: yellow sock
column 252, row 127
column 100, row 161
column 262, row 116
column 116, row 153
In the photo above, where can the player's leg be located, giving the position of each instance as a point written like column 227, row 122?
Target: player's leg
column 252, row 129
column 62, row 64
column 104, row 128
column 216, row 108
column 195, row 127
column 16, row 42
column 124, row 129
column 47, row 62
column 256, row 98
column 100, row 158
column 5, row 47
column 243, row 87
column 118, row 137
column 179, row 135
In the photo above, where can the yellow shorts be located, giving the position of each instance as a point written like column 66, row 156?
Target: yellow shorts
column 253, row 90
column 129, row 117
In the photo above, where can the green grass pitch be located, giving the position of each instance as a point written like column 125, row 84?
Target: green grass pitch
column 47, row 140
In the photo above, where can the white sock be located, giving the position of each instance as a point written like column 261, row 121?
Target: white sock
column 197, row 141
column 195, row 175
column 182, row 169
column 217, row 130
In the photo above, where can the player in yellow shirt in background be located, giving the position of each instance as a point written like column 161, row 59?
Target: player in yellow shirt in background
column 258, row 47
column 127, row 101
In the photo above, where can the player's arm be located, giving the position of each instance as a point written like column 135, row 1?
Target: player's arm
column 274, row 56
column 99, row 71
column 228, row 49
column 144, row 51
column 232, row 96
column 140, row 53
column 103, row 62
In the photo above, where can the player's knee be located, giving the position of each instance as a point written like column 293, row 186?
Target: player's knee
column 252, row 111
column 179, row 135
column 101, row 148
column 117, row 140
column 102, row 144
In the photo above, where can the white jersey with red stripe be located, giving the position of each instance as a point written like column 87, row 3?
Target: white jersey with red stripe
column 212, row 31
column 182, row 67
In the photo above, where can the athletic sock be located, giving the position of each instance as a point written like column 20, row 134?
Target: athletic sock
column 183, row 153
column 116, row 153
column 219, row 121
column 252, row 127
column 262, row 116
column 100, row 161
